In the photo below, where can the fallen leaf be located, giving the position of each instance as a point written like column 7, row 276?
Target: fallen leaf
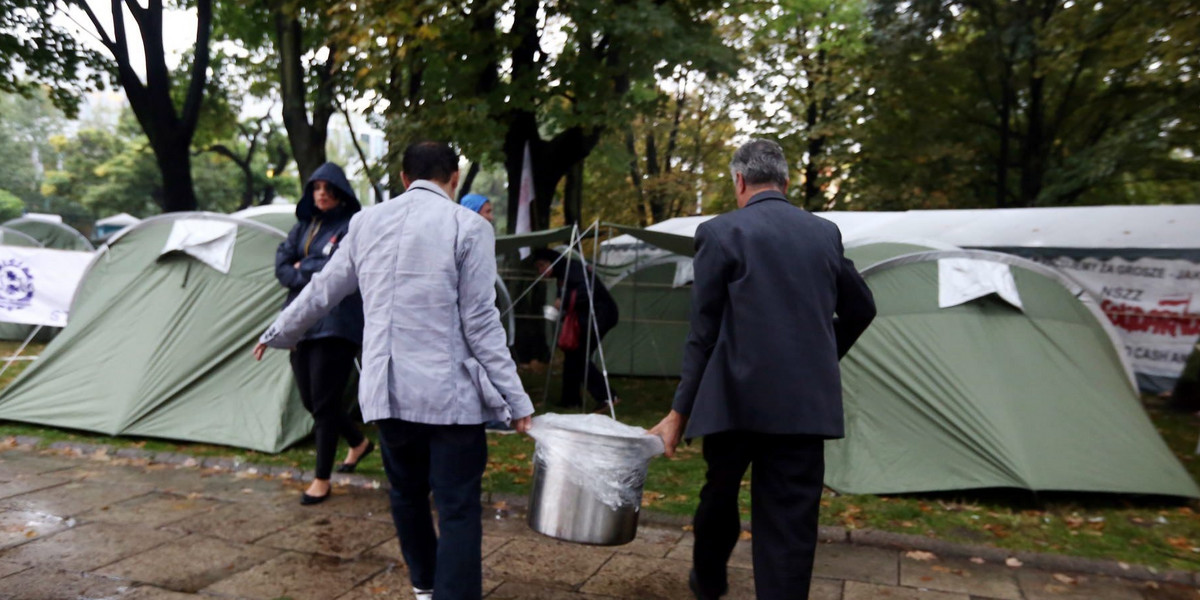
column 1180, row 543
column 920, row 555
column 31, row 534
column 977, row 560
column 1013, row 562
column 745, row 535
column 500, row 505
column 1067, row 579
column 687, row 528
column 940, row 569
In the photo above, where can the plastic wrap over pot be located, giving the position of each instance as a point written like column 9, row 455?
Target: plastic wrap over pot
column 603, row 456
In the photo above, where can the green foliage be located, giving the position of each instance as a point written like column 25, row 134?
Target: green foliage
column 35, row 50
column 1040, row 103
column 806, row 90
column 482, row 76
column 11, row 206
column 666, row 160
column 26, row 125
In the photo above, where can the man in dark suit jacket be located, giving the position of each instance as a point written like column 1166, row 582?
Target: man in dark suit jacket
column 775, row 305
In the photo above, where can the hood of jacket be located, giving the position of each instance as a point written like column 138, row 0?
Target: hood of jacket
column 306, row 209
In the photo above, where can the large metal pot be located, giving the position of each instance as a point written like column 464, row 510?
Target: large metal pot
column 562, row 505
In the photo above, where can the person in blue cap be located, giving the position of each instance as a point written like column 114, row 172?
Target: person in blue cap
column 480, row 204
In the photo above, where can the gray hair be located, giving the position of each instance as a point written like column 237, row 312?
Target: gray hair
column 760, row 161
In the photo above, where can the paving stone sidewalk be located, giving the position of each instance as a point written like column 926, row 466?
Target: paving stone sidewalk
column 121, row 528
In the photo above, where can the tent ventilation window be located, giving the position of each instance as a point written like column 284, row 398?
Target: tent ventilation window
column 210, row 242
column 961, row 280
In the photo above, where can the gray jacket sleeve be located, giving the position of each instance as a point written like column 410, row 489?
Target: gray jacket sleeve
column 327, row 288
column 709, row 296
column 481, row 319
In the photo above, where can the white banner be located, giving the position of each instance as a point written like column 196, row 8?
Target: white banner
column 1154, row 303
column 37, row 284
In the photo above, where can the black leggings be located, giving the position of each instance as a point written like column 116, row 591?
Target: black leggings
column 322, row 368
column 575, row 362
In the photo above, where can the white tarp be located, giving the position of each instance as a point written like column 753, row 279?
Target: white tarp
column 961, row 280
column 209, row 241
column 37, row 284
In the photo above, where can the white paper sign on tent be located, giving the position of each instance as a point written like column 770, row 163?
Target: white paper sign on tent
column 210, row 242
column 38, row 284
column 961, row 280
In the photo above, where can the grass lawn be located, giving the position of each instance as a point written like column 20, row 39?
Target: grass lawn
column 1159, row 532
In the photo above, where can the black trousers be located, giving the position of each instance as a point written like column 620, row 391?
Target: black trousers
column 322, row 368
column 785, row 495
column 449, row 461
column 575, row 362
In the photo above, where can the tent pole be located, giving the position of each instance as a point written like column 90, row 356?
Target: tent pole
column 637, row 260
column 591, row 325
column 596, row 329
column 557, row 322
column 13, row 358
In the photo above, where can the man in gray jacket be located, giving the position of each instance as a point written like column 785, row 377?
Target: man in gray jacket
column 435, row 365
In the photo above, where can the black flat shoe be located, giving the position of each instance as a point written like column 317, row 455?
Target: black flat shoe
column 307, row 500
column 694, row 586
column 350, row 467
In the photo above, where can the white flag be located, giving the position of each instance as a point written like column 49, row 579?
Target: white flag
column 37, row 284
column 525, row 199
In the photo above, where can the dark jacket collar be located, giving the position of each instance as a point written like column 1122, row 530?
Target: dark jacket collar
column 767, row 195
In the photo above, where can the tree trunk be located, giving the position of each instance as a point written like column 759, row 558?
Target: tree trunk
column 307, row 138
column 1033, row 152
column 169, row 130
column 1005, row 135
column 175, row 163
column 468, row 182
column 573, row 195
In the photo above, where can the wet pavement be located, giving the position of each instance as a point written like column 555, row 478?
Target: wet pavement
column 74, row 527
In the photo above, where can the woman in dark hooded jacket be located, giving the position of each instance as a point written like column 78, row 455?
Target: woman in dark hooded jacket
column 324, row 359
column 573, row 296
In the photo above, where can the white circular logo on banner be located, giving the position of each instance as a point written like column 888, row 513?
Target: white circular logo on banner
column 16, row 285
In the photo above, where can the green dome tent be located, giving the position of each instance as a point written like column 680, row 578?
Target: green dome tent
column 987, row 394
column 279, row 216
column 51, row 234
column 159, row 342
column 978, row 395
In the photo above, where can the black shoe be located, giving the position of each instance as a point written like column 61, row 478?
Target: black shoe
column 307, row 500
column 350, row 467
column 694, row 585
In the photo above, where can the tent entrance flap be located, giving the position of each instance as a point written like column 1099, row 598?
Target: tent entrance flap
column 210, row 242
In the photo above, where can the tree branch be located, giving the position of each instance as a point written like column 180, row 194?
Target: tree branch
column 195, row 94
column 104, row 39
column 361, row 155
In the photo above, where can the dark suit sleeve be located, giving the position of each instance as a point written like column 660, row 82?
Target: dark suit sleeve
column 855, row 304
column 286, row 256
column 712, row 267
